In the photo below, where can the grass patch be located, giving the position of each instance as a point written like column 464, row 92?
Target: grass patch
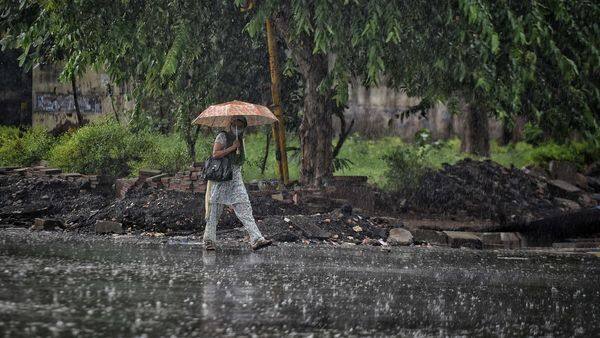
column 109, row 148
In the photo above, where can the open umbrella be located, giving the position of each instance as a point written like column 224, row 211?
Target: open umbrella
column 219, row 115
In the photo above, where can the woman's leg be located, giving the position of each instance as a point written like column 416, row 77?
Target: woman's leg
column 210, row 230
column 243, row 211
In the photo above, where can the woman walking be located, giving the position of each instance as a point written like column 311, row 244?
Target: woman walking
column 233, row 192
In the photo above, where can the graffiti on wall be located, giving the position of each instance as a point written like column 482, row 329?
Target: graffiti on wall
column 53, row 103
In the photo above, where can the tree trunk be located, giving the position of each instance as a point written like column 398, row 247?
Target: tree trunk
column 77, row 110
column 316, row 130
column 191, row 136
column 476, row 136
column 263, row 164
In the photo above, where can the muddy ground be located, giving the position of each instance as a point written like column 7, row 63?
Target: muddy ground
column 143, row 209
column 479, row 194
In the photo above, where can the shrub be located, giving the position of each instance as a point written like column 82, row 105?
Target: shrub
column 167, row 153
column 106, row 148
column 26, row 149
column 532, row 133
column 405, row 168
column 8, row 133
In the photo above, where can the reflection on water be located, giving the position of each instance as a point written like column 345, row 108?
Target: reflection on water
column 52, row 284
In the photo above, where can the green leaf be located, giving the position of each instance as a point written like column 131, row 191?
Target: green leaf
column 495, row 43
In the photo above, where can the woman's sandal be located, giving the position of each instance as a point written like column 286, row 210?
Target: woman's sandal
column 261, row 243
column 209, row 245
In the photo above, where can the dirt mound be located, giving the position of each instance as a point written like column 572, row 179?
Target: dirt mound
column 142, row 208
column 484, row 190
column 24, row 198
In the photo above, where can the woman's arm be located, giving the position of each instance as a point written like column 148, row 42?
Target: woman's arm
column 219, row 152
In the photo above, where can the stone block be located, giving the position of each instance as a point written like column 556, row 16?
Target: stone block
column 457, row 239
column 46, row 224
column 149, row 172
column 156, row 178
column 564, row 189
column 501, row 240
column 566, row 204
column 107, row 227
column 430, row 236
column 51, row 171
column 563, row 170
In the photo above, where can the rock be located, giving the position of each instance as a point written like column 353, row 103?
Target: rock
column 107, row 227
column 586, row 201
column 564, row 189
column 593, row 183
column 535, row 171
column 278, row 197
column 566, row 204
column 457, row 239
column 371, row 241
column 346, row 209
column 379, row 232
column 430, row 236
column 581, row 181
column 563, row 170
column 399, row 236
column 46, row 224
column 593, row 169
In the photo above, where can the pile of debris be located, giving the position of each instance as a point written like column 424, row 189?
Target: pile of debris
column 67, row 201
column 487, row 190
column 23, row 199
column 337, row 226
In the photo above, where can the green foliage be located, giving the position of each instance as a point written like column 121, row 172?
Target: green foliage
column 8, row 133
column 340, row 163
column 406, row 167
column 533, row 134
column 100, row 148
column 167, row 153
column 24, row 149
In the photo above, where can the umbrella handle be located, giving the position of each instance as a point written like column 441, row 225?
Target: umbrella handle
column 237, row 150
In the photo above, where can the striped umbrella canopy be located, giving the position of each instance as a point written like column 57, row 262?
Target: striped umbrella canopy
column 219, row 115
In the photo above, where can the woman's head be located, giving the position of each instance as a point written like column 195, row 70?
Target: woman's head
column 237, row 124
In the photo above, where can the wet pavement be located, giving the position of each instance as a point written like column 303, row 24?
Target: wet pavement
column 59, row 284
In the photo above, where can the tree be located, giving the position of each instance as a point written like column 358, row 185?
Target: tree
column 496, row 57
column 502, row 58
column 183, row 55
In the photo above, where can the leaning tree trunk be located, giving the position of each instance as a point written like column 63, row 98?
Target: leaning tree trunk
column 77, row 110
column 316, row 131
column 476, row 136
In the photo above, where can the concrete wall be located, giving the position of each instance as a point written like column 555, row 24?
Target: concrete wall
column 15, row 91
column 53, row 103
column 378, row 112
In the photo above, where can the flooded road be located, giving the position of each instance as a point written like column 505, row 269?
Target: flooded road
column 71, row 285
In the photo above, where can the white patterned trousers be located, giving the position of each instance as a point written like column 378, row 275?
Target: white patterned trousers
column 243, row 211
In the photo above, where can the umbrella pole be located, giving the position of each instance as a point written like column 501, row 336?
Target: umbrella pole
column 278, row 128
